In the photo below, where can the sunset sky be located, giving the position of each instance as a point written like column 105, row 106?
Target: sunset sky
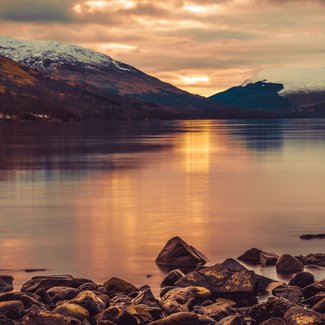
column 203, row 46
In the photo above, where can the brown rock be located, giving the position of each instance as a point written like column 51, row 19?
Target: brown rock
column 320, row 306
column 269, row 258
column 302, row 279
column 28, row 299
column 232, row 320
column 291, row 293
column 300, row 315
column 178, row 319
column 62, row 293
column 287, row 264
column 12, row 309
column 252, row 256
column 90, row 301
column 313, row 259
column 314, row 289
column 216, row 311
column 72, row 310
column 116, row 285
column 6, row 283
column 275, row 321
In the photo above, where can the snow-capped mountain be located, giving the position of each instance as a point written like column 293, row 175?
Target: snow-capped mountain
column 281, row 91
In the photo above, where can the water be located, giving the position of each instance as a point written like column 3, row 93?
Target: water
column 100, row 199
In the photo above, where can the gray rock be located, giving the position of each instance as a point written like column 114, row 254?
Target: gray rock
column 6, row 283
column 172, row 277
column 178, row 253
column 291, row 293
column 287, row 264
column 302, row 279
column 62, row 293
column 182, row 299
column 182, row 318
column 116, row 285
column 300, row 315
column 12, row 309
column 90, row 301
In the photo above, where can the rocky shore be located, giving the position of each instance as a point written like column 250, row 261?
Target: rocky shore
column 227, row 293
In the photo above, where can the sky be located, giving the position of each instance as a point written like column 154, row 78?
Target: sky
column 202, row 46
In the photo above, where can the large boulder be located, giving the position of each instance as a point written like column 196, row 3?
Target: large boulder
column 62, row 293
column 291, row 293
column 90, row 301
column 172, row 277
column 12, row 309
column 300, row 315
column 268, row 258
column 116, row 286
column 228, row 279
column 182, row 318
column 251, row 256
column 178, row 253
column 6, row 283
column 183, row 299
column 72, row 310
column 47, row 282
column 287, row 264
column 312, row 259
column 302, row 279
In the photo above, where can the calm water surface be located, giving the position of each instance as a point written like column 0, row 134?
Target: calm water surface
column 101, row 199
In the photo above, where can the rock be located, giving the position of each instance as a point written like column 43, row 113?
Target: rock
column 312, row 259
column 5, row 321
column 287, row 264
column 216, row 311
column 275, row 321
column 314, row 288
column 206, row 320
column 300, row 315
column 182, row 318
column 291, row 293
column 90, row 301
column 93, row 287
column 62, row 293
column 268, row 258
column 302, row 279
column 226, row 301
column 309, row 236
column 263, row 284
column 12, row 309
column 273, row 285
column 72, row 310
column 36, row 316
column 42, row 293
column 320, row 306
column 28, row 299
column 172, row 277
column 182, row 299
column 252, row 256
column 275, row 307
column 47, row 282
column 314, row 299
column 232, row 320
column 178, row 253
column 228, row 279
column 6, row 283
column 116, row 285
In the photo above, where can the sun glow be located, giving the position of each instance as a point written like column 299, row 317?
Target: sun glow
column 194, row 80
column 94, row 6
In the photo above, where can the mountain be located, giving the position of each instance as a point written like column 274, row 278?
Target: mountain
column 86, row 68
column 286, row 92
column 29, row 94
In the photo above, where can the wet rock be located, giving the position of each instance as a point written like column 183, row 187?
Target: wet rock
column 42, row 293
column 90, row 301
column 93, row 287
column 182, row 318
column 310, row 236
column 232, row 320
column 37, row 316
column 263, row 284
column 206, row 320
column 12, row 309
column 116, row 285
column 320, row 306
column 226, row 301
column 314, row 288
column 275, row 321
column 28, row 299
column 62, row 293
column 274, row 307
column 252, row 256
column 5, row 321
column 72, row 310
column 268, row 258
column 228, row 279
column 287, row 264
column 302, row 279
column 172, row 277
column 273, row 285
column 314, row 299
column 6, row 283
column 313, row 259
column 291, row 293
column 178, row 253
column 182, row 299
column 216, row 311
column 47, row 282
column 300, row 315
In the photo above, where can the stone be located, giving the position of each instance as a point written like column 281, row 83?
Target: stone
column 263, row 284
column 93, row 287
column 300, row 315
column 268, row 258
column 47, row 282
column 252, row 256
column 28, row 299
column 287, row 264
column 72, row 310
column 314, row 299
column 228, row 279
column 5, row 321
column 232, row 320
column 183, row 299
column 13, row 309
column 206, row 320
column 310, row 236
column 216, row 311
column 182, row 318
column 62, row 293
column 275, row 321
column 116, row 285
column 320, row 306
column 6, row 283
column 177, row 252
column 314, row 288
column 291, row 293
column 274, row 307
column 42, row 293
column 172, row 277
column 313, row 259
column 90, row 301
column 302, row 279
